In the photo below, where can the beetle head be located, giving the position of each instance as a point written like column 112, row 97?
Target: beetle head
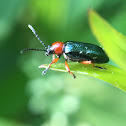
column 49, row 50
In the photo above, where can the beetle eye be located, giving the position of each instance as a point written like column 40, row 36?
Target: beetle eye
column 49, row 50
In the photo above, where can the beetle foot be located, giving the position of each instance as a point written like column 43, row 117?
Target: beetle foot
column 44, row 72
column 74, row 76
column 100, row 67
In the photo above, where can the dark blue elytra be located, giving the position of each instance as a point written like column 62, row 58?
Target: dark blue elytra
column 80, row 51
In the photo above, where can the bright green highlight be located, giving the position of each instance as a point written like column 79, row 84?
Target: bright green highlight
column 111, row 40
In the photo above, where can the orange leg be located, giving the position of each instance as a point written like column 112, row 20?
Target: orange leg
column 54, row 61
column 53, row 56
column 87, row 62
column 68, row 69
column 90, row 62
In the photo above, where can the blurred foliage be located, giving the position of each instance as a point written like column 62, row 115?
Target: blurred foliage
column 26, row 97
column 7, row 122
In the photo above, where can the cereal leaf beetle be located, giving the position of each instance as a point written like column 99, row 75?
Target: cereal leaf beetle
column 81, row 52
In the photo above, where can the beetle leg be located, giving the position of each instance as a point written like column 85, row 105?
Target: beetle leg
column 68, row 69
column 90, row 62
column 53, row 56
column 54, row 61
column 87, row 62
column 100, row 67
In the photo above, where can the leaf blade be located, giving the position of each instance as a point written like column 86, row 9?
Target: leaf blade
column 112, row 74
column 113, row 42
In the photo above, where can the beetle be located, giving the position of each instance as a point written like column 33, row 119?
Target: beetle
column 81, row 52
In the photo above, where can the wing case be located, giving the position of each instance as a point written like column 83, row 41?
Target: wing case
column 80, row 51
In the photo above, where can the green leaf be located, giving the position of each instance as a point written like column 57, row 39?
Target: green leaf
column 113, row 42
column 112, row 74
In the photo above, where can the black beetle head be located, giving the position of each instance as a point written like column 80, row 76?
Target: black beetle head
column 49, row 51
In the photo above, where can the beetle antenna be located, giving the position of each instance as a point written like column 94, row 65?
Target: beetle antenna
column 24, row 50
column 33, row 30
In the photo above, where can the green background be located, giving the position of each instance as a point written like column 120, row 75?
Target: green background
column 56, row 99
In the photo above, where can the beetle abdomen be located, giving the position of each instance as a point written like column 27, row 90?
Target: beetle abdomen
column 80, row 51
